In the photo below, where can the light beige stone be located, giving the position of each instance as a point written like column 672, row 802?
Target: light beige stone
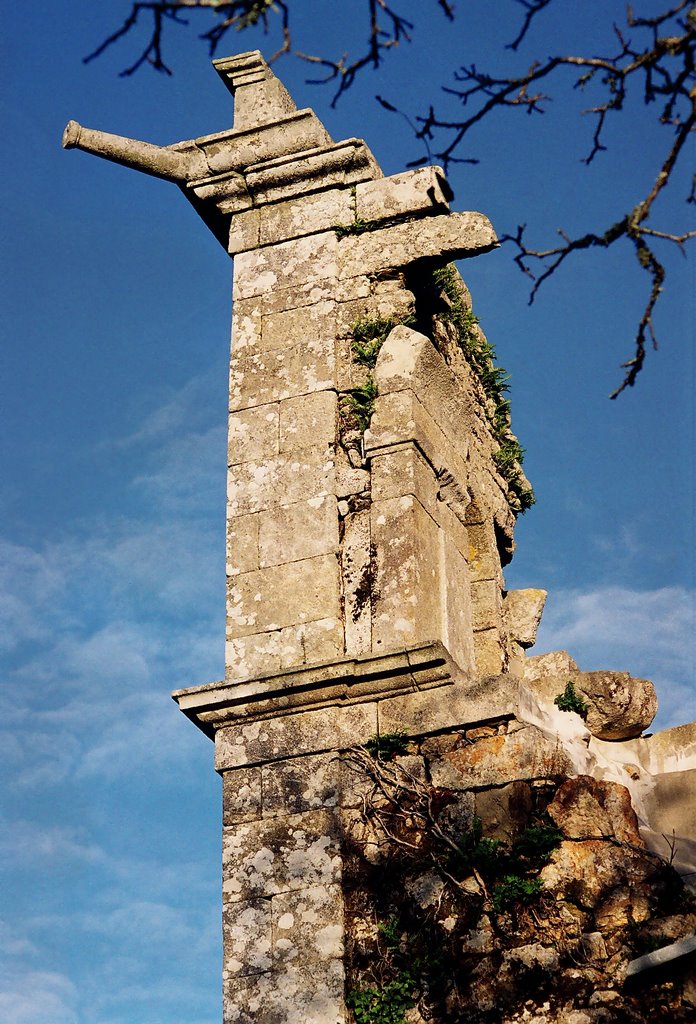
column 253, row 434
column 499, row 760
column 287, row 996
column 457, row 613
column 284, row 595
column 357, row 569
column 260, row 654
column 308, row 265
column 489, row 652
column 485, row 603
column 306, row 215
column 447, row 237
column 242, row 544
column 308, row 732
column 420, row 191
column 275, row 855
column 246, row 938
column 406, row 605
column 522, row 611
column 295, row 532
column 308, row 420
column 308, row 927
column 289, row 478
column 465, row 701
column 280, row 330
column 271, row 376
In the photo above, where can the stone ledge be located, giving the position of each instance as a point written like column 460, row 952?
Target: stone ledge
column 348, row 681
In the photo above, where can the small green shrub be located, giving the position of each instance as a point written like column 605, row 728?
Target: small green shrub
column 475, row 851
column 387, row 745
column 368, row 337
column 495, row 382
column 515, row 889
column 569, row 700
column 536, row 844
column 360, row 403
column 358, row 227
column 386, row 1005
column 390, row 932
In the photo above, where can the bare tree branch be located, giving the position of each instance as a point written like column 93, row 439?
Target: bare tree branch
column 661, row 69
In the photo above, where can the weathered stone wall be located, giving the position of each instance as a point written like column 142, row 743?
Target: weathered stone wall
column 413, row 829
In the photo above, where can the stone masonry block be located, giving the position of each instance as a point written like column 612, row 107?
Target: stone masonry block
column 308, row 926
column 316, row 321
column 253, row 434
column 356, row 567
column 246, row 327
column 300, row 369
column 499, row 760
column 291, row 533
column 306, row 215
column 247, row 931
column 406, row 606
column 245, row 232
column 290, row 995
column 241, row 795
column 403, row 470
column 258, row 654
column 300, row 784
column 458, row 638
column 308, row 420
column 264, row 858
column 489, row 652
column 304, row 264
column 423, row 191
column 284, row 595
column 400, row 417
column 464, row 702
column 291, row 477
column 242, row 544
column 448, row 237
column 486, row 604
column 483, row 556
column 308, row 732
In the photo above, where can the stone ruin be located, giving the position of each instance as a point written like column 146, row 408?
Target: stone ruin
column 413, row 828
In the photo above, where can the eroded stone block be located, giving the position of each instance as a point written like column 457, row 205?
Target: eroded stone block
column 423, row 191
column 242, row 544
column 246, row 938
column 292, row 533
column 284, row 595
column 267, row 377
column 357, row 569
column 241, row 795
column 308, row 926
column 305, row 264
column 308, row 732
column 253, row 434
column 288, row 996
column 288, row 478
column 308, row 420
column 275, row 855
column 258, row 654
column 300, row 784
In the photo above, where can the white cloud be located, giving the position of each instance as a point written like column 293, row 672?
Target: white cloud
column 36, row 997
column 649, row 633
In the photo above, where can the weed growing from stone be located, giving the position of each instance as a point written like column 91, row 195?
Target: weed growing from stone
column 515, row 889
column 495, row 381
column 385, row 1005
column 535, row 845
column 388, row 745
column 570, row 700
column 368, row 337
column 358, row 227
column 360, row 404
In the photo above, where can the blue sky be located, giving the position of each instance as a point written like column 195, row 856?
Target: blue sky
column 116, row 305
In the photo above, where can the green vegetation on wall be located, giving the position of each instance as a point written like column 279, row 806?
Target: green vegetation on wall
column 480, row 355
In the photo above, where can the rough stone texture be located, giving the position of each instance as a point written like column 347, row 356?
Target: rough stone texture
column 585, row 808
column 618, row 705
column 522, row 610
column 499, row 760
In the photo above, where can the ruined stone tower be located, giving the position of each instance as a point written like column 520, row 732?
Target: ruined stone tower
column 373, row 486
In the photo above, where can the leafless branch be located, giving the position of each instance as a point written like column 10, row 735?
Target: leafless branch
column 532, row 7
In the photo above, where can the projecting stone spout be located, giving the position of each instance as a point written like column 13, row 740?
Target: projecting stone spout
column 160, row 161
